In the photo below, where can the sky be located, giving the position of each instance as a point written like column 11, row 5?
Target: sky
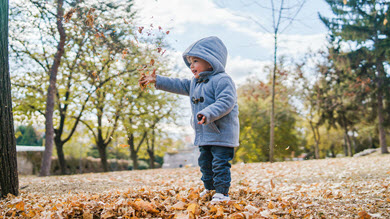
column 250, row 46
column 249, row 43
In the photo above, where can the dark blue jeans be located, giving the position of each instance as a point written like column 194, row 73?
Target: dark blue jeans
column 215, row 167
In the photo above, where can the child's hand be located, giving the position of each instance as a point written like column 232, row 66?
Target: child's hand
column 147, row 79
column 201, row 119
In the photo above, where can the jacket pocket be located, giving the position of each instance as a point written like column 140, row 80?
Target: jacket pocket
column 214, row 127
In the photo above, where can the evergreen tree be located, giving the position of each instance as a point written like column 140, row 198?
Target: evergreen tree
column 363, row 26
column 26, row 135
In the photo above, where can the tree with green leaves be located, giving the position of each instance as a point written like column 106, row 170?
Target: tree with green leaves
column 277, row 17
column 26, row 135
column 9, row 182
column 362, row 28
column 255, row 101
column 96, row 39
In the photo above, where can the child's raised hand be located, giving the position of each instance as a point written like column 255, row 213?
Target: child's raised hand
column 201, row 119
column 147, row 79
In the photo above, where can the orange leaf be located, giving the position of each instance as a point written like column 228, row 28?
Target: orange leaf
column 193, row 209
column 272, row 184
column 20, row 206
column 271, row 205
column 364, row 215
column 238, row 207
column 194, row 195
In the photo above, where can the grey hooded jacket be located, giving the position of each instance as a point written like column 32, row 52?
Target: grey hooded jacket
column 213, row 95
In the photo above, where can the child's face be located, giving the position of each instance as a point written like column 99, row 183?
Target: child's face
column 198, row 65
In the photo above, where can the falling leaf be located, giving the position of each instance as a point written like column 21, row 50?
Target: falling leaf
column 288, row 147
column 90, row 17
column 167, row 32
column 140, row 29
column 385, row 21
column 68, row 15
column 345, row 2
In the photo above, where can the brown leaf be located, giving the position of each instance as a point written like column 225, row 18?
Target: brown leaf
column 144, row 205
column 68, row 15
column 179, row 206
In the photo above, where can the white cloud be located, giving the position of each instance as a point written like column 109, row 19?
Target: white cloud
column 178, row 14
column 241, row 68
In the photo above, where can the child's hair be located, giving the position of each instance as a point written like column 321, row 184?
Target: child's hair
column 189, row 59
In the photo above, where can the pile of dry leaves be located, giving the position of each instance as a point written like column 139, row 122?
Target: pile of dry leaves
column 331, row 188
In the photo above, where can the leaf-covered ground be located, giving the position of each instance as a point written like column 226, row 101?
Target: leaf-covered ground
column 330, row 188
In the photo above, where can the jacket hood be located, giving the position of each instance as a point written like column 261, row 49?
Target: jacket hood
column 210, row 49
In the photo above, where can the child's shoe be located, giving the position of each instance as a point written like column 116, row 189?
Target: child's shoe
column 219, row 197
column 204, row 192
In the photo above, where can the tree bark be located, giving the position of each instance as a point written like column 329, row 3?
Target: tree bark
column 381, row 129
column 49, row 135
column 60, row 154
column 151, row 150
column 272, row 125
column 133, row 149
column 316, row 135
column 9, row 181
column 103, row 156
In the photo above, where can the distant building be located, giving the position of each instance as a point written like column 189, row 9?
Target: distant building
column 181, row 158
column 28, row 159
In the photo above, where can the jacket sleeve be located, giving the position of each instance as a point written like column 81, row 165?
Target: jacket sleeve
column 173, row 85
column 226, row 98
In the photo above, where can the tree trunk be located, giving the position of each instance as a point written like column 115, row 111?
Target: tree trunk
column 103, row 156
column 133, row 152
column 316, row 135
column 60, row 153
column 151, row 150
column 49, row 135
column 382, row 132
column 151, row 159
column 8, row 166
column 348, row 141
column 272, row 125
